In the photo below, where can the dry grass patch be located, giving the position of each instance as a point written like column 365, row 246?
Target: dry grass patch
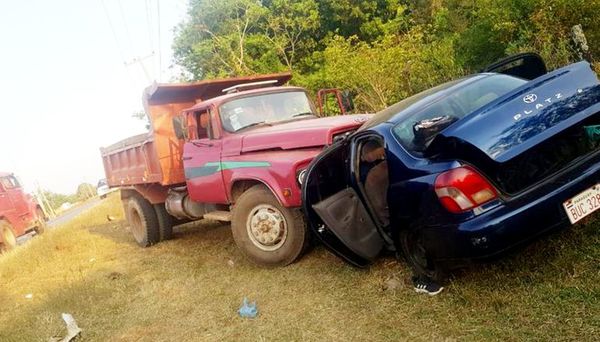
column 185, row 289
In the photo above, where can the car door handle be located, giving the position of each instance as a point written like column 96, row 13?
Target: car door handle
column 187, row 158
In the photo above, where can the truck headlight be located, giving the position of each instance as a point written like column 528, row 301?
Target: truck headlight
column 300, row 176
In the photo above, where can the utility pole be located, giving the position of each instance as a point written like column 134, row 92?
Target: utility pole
column 581, row 46
column 43, row 201
column 140, row 61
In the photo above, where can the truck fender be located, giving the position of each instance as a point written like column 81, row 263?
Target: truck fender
column 239, row 186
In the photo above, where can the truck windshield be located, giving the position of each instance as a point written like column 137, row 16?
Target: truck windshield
column 265, row 109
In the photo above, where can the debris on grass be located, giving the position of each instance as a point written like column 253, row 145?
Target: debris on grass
column 73, row 329
column 231, row 263
column 392, row 284
column 29, row 296
column 248, row 310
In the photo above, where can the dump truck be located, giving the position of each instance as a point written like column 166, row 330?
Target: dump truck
column 233, row 150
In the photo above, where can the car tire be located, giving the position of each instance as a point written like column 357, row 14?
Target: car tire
column 143, row 221
column 8, row 239
column 268, row 233
column 40, row 227
column 165, row 222
column 417, row 257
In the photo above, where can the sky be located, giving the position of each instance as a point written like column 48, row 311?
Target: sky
column 69, row 82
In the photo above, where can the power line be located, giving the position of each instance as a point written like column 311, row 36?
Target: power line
column 149, row 22
column 159, row 44
column 125, row 25
column 112, row 28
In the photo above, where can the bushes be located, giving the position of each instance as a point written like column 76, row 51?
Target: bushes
column 383, row 50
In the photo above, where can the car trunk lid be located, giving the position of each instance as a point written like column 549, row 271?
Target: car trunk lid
column 532, row 132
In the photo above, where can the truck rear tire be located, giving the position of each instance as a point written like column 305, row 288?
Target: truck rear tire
column 143, row 221
column 268, row 233
column 8, row 239
column 165, row 222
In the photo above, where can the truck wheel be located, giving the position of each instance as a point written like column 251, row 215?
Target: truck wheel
column 417, row 258
column 143, row 221
column 268, row 233
column 165, row 222
column 40, row 228
column 8, row 240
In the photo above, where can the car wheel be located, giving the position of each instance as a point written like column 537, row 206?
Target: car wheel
column 268, row 234
column 8, row 239
column 417, row 257
column 40, row 228
column 143, row 221
column 165, row 222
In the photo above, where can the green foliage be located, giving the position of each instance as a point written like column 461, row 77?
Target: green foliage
column 85, row 191
column 381, row 50
column 56, row 200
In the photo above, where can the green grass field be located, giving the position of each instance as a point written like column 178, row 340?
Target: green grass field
column 187, row 290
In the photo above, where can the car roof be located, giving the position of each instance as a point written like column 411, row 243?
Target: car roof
column 4, row 174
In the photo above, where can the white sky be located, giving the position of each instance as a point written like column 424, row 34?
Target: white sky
column 64, row 88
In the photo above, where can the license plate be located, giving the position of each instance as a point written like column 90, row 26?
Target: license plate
column 583, row 204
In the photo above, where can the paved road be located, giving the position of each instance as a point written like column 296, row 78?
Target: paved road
column 69, row 215
column 65, row 217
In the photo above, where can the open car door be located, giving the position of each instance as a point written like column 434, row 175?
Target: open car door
column 335, row 211
column 523, row 65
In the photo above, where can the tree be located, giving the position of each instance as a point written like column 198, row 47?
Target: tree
column 85, row 191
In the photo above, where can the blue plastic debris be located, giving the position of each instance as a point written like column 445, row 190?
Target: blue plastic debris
column 248, row 310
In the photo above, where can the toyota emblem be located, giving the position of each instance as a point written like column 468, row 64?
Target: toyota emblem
column 530, row 98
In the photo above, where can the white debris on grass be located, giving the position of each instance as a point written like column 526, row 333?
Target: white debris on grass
column 72, row 329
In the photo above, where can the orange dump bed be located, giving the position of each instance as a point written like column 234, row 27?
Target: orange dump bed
column 155, row 157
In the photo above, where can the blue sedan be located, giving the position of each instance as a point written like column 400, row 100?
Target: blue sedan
column 463, row 171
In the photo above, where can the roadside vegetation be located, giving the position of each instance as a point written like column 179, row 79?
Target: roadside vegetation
column 381, row 50
column 190, row 288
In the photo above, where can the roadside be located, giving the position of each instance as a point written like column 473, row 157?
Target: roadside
column 65, row 217
column 190, row 288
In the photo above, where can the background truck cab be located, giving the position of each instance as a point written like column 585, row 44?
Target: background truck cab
column 230, row 150
column 19, row 212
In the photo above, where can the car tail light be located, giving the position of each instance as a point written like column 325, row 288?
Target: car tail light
column 463, row 189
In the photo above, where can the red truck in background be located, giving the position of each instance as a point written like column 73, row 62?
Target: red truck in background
column 20, row 213
column 230, row 150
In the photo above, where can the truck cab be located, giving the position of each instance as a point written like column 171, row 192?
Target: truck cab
column 243, row 155
column 19, row 212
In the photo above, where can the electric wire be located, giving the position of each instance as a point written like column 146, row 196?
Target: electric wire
column 126, row 26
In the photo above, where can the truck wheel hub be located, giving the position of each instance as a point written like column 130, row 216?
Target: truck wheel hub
column 266, row 227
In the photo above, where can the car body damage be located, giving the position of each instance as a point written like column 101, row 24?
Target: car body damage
column 464, row 170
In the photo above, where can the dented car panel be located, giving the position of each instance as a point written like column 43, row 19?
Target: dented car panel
column 467, row 180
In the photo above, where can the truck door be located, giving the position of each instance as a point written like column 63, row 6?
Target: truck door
column 6, row 205
column 18, row 200
column 202, row 159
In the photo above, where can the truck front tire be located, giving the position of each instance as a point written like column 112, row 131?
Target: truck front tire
column 40, row 228
column 143, row 221
column 268, row 233
column 8, row 239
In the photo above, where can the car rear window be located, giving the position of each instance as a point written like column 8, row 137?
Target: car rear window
column 416, row 131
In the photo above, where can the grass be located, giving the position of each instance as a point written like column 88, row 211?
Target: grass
column 186, row 290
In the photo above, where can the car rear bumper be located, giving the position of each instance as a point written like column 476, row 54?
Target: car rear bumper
column 510, row 224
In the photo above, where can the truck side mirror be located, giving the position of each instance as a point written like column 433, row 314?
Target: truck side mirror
column 347, row 101
column 179, row 128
